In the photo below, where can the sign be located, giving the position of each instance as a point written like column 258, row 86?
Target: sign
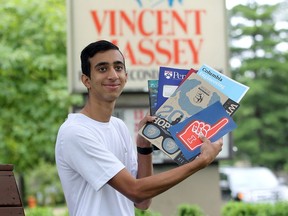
column 174, row 33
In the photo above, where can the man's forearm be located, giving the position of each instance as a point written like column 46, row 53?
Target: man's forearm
column 145, row 169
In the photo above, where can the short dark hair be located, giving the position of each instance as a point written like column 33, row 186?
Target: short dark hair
column 91, row 50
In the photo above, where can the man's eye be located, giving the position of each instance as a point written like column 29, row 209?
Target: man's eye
column 119, row 68
column 102, row 69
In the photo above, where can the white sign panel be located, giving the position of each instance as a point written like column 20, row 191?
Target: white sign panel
column 173, row 33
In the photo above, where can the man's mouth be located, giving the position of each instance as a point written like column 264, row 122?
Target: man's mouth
column 111, row 86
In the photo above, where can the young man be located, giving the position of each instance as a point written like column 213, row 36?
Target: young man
column 100, row 172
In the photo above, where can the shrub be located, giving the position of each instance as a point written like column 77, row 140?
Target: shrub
column 249, row 209
column 44, row 211
column 39, row 211
column 189, row 210
column 139, row 212
column 44, row 184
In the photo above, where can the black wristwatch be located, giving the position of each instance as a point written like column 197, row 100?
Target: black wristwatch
column 144, row 151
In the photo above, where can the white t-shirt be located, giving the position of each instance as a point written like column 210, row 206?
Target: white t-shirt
column 88, row 155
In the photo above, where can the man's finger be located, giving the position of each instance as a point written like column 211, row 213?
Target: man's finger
column 203, row 138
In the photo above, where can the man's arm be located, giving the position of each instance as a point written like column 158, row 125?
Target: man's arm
column 139, row 190
column 145, row 166
column 145, row 169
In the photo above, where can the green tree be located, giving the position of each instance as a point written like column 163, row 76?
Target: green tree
column 34, row 99
column 262, row 119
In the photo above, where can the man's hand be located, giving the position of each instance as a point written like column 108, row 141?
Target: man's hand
column 209, row 150
column 141, row 141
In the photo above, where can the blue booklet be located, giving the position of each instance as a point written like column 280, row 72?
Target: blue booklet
column 169, row 80
column 186, row 133
column 231, row 88
column 153, row 91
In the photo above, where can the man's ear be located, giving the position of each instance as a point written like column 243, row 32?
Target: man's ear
column 86, row 81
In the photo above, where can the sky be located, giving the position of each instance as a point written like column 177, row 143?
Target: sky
column 232, row 3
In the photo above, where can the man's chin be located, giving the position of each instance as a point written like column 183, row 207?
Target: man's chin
column 113, row 97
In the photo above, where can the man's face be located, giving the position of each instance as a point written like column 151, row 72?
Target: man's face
column 108, row 76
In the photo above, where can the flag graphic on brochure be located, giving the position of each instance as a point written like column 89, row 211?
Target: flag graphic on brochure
column 186, row 133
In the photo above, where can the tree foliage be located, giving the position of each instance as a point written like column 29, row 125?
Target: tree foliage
column 262, row 120
column 34, row 99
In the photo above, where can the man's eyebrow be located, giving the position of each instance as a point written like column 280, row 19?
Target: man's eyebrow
column 101, row 64
column 107, row 63
column 118, row 62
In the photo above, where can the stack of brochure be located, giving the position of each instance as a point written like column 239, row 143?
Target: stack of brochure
column 189, row 103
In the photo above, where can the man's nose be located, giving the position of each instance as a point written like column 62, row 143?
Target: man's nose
column 112, row 74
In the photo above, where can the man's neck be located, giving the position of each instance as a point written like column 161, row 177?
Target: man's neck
column 98, row 111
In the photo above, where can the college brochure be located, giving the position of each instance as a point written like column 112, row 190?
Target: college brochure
column 188, row 74
column 152, row 92
column 169, row 80
column 186, row 133
column 228, row 86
